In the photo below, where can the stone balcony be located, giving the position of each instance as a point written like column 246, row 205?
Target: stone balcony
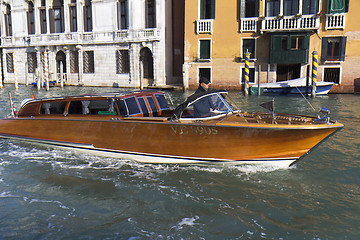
column 204, row 26
column 335, row 21
column 290, row 23
column 248, row 24
column 134, row 35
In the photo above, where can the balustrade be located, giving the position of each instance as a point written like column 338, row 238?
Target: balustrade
column 152, row 34
column 204, row 26
column 304, row 22
column 335, row 21
column 248, row 24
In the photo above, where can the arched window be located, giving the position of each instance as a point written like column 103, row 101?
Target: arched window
column 122, row 10
column 57, row 17
column 87, row 16
column 73, row 16
column 31, row 18
column 150, row 14
column 8, row 23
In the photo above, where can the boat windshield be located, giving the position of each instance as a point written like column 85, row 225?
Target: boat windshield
column 209, row 105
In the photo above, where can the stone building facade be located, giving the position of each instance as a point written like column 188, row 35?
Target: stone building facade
column 281, row 36
column 118, row 43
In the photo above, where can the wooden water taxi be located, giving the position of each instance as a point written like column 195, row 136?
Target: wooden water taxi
column 207, row 127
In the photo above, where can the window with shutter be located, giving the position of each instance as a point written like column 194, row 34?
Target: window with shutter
column 57, row 17
column 205, row 49
column 122, row 9
column 150, row 13
column 291, row 48
column 43, row 24
column 87, row 16
column 310, row 7
column 333, row 49
column 122, row 61
column 205, row 72
column 88, row 62
column 207, row 9
column 8, row 22
column 73, row 16
column 251, row 74
column 252, row 8
column 248, row 8
column 32, row 62
column 337, row 6
column 31, row 18
column 249, row 45
column 291, row 7
column 9, row 62
column 272, row 8
column 332, row 74
column 74, row 61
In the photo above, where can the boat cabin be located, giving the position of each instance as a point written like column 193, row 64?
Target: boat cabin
column 134, row 104
column 210, row 104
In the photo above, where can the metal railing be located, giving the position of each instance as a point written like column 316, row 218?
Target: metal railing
column 335, row 21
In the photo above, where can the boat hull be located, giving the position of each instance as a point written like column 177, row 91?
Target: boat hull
column 295, row 86
column 172, row 142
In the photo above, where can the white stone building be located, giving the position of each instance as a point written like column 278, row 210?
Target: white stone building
column 120, row 43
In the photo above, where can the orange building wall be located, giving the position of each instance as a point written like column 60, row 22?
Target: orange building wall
column 226, row 47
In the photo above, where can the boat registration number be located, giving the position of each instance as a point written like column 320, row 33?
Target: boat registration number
column 199, row 130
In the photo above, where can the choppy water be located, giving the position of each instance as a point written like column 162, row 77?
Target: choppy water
column 48, row 193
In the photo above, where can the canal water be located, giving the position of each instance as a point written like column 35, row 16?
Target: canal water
column 50, row 193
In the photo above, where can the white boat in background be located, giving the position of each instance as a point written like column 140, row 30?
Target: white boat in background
column 294, row 86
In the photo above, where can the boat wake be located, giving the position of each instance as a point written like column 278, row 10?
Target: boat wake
column 68, row 159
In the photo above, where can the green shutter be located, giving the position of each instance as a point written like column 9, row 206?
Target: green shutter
column 337, row 6
column 204, row 49
column 249, row 45
column 202, row 9
column 324, row 42
column 306, row 42
column 343, row 48
column 242, row 8
column 212, row 9
column 277, row 43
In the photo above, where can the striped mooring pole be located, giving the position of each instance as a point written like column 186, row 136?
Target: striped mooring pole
column 314, row 73
column 247, row 67
column 1, row 77
column 46, row 68
column 15, row 72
